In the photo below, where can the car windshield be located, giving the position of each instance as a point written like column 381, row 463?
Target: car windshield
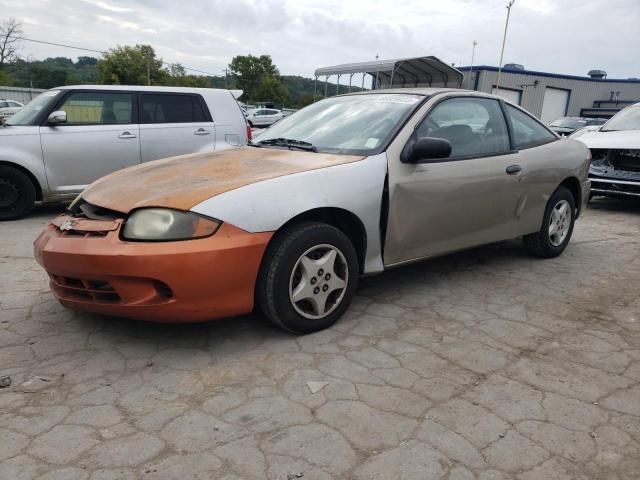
column 568, row 123
column 28, row 114
column 627, row 119
column 350, row 124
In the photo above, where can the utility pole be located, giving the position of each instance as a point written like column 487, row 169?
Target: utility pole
column 148, row 70
column 504, row 39
column 473, row 52
column 374, row 83
column 226, row 71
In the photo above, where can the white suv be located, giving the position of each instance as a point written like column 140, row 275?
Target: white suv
column 70, row 136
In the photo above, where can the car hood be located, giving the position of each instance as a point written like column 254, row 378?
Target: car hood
column 625, row 139
column 183, row 182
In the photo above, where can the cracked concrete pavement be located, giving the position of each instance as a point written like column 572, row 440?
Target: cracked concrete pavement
column 487, row 364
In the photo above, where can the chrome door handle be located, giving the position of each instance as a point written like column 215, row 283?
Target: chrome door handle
column 514, row 169
column 201, row 131
column 125, row 135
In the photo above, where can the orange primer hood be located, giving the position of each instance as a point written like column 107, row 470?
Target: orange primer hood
column 183, row 182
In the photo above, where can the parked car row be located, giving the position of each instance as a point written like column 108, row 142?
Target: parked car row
column 351, row 185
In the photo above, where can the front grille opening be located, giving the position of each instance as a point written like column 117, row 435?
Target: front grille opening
column 99, row 291
column 80, row 233
column 84, row 209
column 164, row 291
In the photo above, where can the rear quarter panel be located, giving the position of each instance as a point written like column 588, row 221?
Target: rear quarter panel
column 544, row 168
column 230, row 123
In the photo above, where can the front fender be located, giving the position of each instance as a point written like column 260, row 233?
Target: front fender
column 267, row 205
column 20, row 146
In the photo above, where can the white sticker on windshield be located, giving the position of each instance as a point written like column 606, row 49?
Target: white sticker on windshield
column 405, row 99
column 371, row 143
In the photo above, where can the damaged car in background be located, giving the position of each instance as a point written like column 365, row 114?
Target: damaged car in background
column 615, row 152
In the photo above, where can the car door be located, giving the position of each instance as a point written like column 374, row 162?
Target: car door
column 174, row 124
column 539, row 154
column 467, row 199
column 263, row 117
column 271, row 117
column 100, row 136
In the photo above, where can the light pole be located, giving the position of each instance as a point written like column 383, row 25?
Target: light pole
column 473, row 52
column 504, row 39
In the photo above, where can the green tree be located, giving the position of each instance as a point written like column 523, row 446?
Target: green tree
column 5, row 79
column 304, row 100
column 177, row 76
column 271, row 89
column 137, row 65
column 84, row 61
column 248, row 72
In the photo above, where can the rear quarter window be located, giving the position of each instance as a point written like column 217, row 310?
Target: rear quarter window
column 526, row 131
column 172, row 108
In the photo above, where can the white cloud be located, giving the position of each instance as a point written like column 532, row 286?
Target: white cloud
column 564, row 36
column 107, row 6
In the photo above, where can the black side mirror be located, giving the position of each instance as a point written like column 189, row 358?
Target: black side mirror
column 426, row 149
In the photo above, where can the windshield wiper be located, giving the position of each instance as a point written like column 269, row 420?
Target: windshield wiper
column 289, row 143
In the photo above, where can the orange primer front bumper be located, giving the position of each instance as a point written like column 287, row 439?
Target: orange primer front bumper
column 91, row 269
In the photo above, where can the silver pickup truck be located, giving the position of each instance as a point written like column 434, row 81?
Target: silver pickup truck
column 70, row 136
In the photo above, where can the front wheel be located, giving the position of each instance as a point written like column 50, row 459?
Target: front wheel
column 307, row 278
column 557, row 226
column 17, row 193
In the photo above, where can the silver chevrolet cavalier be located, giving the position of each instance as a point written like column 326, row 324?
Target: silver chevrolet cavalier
column 352, row 185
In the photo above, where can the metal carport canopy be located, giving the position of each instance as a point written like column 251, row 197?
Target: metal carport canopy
column 417, row 71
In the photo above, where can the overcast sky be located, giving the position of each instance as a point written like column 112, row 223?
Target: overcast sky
column 561, row 36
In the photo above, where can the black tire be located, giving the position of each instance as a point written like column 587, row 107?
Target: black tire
column 277, row 271
column 540, row 243
column 17, row 193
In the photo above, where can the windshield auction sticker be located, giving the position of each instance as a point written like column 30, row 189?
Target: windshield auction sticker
column 404, row 99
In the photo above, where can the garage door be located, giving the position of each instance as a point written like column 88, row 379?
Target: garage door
column 554, row 105
column 512, row 96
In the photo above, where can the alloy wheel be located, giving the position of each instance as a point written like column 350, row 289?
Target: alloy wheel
column 318, row 281
column 559, row 223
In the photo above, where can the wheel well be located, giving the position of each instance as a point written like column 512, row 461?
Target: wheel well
column 345, row 221
column 29, row 175
column 573, row 185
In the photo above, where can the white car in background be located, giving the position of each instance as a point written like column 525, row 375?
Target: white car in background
column 9, row 107
column 263, row 117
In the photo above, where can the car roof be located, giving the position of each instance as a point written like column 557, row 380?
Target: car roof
column 136, row 87
column 425, row 92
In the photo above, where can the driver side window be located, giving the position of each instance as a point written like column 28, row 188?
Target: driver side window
column 473, row 126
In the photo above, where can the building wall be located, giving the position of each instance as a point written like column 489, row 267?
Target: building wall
column 582, row 92
column 22, row 95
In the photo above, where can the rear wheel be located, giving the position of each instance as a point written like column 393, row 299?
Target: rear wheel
column 557, row 226
column 17, row 193
column 308, row 277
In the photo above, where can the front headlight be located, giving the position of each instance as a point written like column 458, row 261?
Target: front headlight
column 165, row 224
